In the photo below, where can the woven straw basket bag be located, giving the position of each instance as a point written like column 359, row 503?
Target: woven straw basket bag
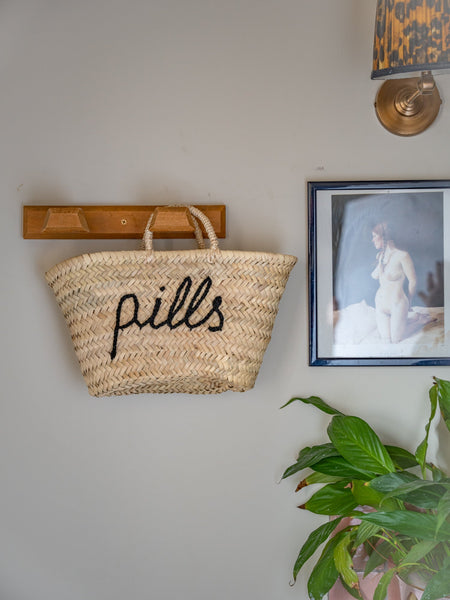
column 190, row 321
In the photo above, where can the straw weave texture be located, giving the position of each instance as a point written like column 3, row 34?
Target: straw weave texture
column 190, row 321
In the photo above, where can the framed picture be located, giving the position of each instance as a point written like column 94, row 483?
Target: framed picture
column 379, row 268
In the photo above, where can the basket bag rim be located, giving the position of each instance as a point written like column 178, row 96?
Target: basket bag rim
column 146, row 256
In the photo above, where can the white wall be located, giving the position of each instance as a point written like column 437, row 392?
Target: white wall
column 155, row 101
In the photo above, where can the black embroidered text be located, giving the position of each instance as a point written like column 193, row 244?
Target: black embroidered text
column 175, row 309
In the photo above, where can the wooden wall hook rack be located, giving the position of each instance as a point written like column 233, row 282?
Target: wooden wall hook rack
column 115, row 222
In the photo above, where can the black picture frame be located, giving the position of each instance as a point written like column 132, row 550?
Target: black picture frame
column 367, row 305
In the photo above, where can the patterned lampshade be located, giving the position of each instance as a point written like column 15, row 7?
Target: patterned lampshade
column 411, row 36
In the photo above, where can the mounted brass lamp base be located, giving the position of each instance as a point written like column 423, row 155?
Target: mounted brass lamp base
column 407, row 106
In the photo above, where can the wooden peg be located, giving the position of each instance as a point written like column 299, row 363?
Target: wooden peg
column 65, row 219
column 172, row 219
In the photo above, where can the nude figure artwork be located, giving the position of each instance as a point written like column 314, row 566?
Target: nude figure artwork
column 392, row 304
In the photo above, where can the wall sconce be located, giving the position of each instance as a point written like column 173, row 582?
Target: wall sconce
column 410, row 37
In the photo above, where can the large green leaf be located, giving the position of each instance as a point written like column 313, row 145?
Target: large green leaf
column 338, row 466
column 317, row 402
column 313, row 454
column 315, row 539
column 420, row 493
column 367, row 496
column 344, row 562
column 402, row 458
column 392, row 481
column 332, row 499
column 309, row 456
column 382, row 587
column 418, row 525
column 439, row 584
column 443, row 389
column 421, row 452
column 359, row 444
column 324, row 574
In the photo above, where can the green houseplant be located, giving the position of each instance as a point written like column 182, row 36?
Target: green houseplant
column 393, row 503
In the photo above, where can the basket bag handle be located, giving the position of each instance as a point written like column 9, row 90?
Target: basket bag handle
column 197, row 215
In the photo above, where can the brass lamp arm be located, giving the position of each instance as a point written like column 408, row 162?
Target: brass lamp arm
column 408, row 106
